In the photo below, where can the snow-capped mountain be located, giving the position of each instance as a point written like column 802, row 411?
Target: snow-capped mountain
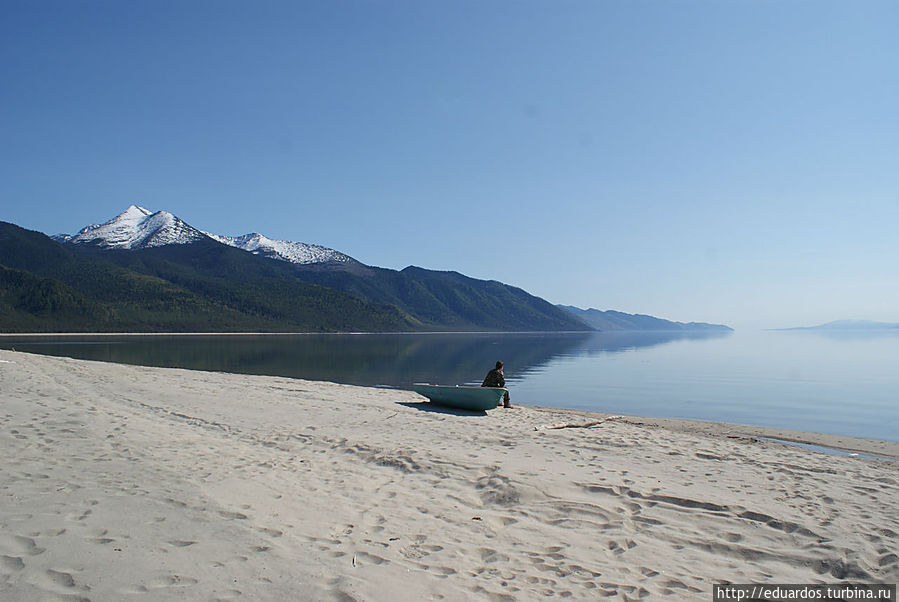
column 136, row 228
column 294, row 252
column 139, row 228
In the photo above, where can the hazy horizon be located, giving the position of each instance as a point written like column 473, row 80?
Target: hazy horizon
column 733, row 163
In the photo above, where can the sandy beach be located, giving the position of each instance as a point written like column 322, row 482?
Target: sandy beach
column 124, row 482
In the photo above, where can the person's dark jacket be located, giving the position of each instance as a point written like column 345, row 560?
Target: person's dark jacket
column 494, row 378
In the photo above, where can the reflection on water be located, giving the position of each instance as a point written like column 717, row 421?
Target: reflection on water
column 794, row 380
column 395, row 360
column 611, row 342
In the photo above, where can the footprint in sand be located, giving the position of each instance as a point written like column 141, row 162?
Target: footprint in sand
column 11, row 564
column 366, row 558
column 101, row 540
column 170, row 581
column 20, row 544
column 79, row 516
column 179, row 543
column 60, row 583
column 271, row 532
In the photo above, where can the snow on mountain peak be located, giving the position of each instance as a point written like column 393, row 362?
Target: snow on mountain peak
column 293, row 252
column 139, row 228
column 135, row 212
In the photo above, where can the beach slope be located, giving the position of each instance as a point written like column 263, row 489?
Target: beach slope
column 125, row 482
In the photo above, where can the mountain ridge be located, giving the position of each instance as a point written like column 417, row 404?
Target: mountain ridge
column 160, row 245
column 285, row 250
column 612, row 320
column 139, row 228
column 47, row 286
column 135, row 228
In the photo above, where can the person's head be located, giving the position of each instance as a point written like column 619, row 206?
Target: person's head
column 499, row 365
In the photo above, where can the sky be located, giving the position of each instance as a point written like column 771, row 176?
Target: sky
column 732, row 162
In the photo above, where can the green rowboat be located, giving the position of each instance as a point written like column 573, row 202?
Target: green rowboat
column 465, row 397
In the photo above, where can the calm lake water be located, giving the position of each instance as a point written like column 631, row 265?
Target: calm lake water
column 832, row 383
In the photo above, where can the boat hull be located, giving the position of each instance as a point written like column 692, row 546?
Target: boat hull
column 464, row 397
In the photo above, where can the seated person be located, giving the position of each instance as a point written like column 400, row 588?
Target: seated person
column 495, row 378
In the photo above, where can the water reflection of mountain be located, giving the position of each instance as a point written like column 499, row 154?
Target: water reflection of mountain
column 617, row 341
column 395, row 360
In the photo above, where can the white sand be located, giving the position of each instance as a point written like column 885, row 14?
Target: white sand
column 122, row 482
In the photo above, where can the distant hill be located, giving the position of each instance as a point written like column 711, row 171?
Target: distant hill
column 849, row 325
column 616, row 320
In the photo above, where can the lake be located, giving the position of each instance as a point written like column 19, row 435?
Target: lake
column 839, row 383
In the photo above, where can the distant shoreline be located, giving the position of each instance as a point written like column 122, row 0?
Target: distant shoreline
column 399, row 332
column 824, row 329
column 846, row 326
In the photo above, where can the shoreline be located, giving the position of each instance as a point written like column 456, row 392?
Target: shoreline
column 877, row 448
column 847, row 443
column 348, row 332
column 125, row 480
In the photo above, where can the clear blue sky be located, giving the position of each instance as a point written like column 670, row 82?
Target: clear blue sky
column 725, row 161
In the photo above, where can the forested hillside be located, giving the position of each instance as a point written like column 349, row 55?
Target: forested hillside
column 49, row 288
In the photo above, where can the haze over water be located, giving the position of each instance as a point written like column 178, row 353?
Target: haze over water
column 806, row 381
column 843, row 384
